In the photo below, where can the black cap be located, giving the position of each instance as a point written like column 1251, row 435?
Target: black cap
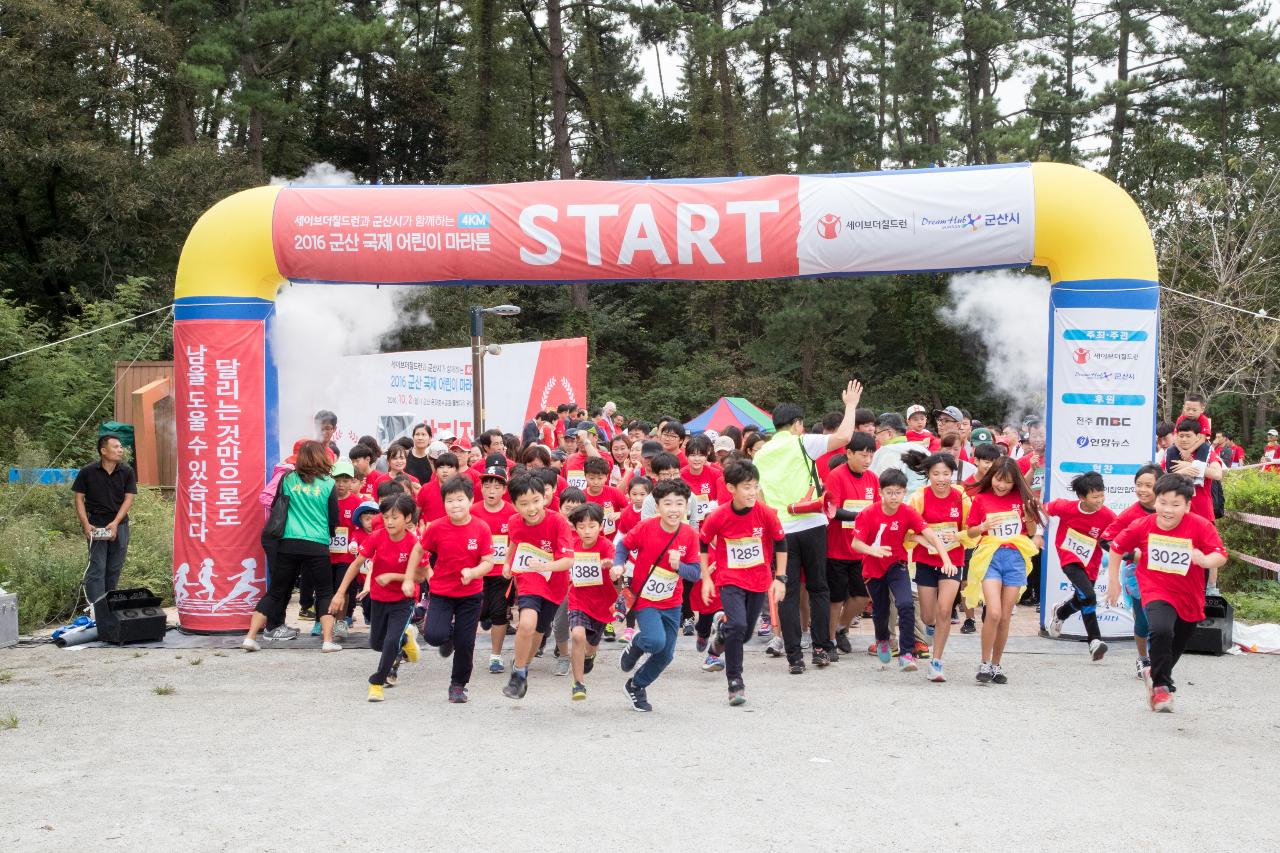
column 650, row 449
column 495, row 459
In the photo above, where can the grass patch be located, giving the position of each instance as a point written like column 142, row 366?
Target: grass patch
column 6, row 676
column 195, row 661
column 1256, row 601
column 164, row 690
column 8, row 721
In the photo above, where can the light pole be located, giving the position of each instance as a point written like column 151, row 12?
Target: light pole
column 477, row 359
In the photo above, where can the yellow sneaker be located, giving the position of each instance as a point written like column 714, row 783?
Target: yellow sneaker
column 375, row 693
column 410, row 646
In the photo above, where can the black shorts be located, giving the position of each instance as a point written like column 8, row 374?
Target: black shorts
column 499, row 595
column 594, row 627
column 844, row 579
column 545, row 608
column 930, row 575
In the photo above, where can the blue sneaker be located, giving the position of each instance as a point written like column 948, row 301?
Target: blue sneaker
column 495, row 665
column 883, row 652
column 935, row 671
column 316, row 630
column 928, row 630
column 713, row 664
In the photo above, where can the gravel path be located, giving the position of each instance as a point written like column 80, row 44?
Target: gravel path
column 278, row 751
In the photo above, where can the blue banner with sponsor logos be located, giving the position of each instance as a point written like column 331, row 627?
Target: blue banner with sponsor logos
column 1102, row 410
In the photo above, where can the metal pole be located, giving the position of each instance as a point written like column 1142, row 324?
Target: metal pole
column 477, row 371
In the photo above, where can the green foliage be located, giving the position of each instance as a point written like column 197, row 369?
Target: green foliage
column 1257, row 493
column 43, row 552
column 1257, row 601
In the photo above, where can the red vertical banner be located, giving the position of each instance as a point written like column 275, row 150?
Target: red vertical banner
column 219, row 568
column 560, row 376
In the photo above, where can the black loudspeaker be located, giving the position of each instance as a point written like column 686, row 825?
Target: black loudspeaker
column 1212, row 636
column 130, row 616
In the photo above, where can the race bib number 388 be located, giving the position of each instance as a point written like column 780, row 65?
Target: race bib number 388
column 587, row 570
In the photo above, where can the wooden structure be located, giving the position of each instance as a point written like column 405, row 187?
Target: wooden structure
column 144, row 398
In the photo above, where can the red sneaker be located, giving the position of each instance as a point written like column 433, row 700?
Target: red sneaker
column 1161, row 700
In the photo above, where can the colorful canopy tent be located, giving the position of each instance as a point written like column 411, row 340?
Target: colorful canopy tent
column 731, row 411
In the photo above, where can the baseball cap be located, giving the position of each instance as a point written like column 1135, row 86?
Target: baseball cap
column 494, row 472
column 981, row 435
column 342, row 468
column 435, row 448
column 460, row 444
column 445, row 435
column 917, row 409
column 571, row 432
column 951, row 412
column 365, row 506
column 1272, row 432
column 721, row 443
column 559, row 454
column 650, row 449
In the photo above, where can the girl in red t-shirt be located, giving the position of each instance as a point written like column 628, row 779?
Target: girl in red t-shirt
column 945, row 508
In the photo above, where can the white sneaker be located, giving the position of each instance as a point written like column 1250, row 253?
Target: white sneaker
column 340, row 631
column 1097, row 649
column 250, row 645
column 330, row 647
column 1055, row 624
column 562, row 665
column 775, row 648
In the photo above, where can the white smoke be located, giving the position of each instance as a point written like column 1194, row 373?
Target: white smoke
column 1009, row 312
column 317, row 324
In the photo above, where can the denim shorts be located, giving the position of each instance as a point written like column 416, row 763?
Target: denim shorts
column 1007, row 566
column 928, row 576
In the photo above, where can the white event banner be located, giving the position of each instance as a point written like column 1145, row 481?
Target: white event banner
column 1102, row 418
column 915, row 221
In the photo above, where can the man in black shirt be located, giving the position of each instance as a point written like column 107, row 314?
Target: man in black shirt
column 104, row 492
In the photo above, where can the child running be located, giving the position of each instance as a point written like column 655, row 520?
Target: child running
column 666, row 555
column 741, row 540
column 461, row 549
column 945, row 508
column 1080, row 525
column 540, row 554
column 638, row 489
column 851, row 488
column 391, row 585
column 1174, row 547
column 496, row 512
column 591, row 591
column 1144, row 489
column 880, row 535
column 1004, row 514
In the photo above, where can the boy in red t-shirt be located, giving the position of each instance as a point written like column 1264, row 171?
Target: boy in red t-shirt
column 1080, row 527
column 461, row 548
column 638, row 490
column 391, row 585
column 496, row 511
column 851, row 488
column 706, row 485
column 539, row 557
column 741, row 541
column 666, row 556
column 598, row 491
column 1175, row 546
column 591, row 591
column 880, row 534
column 340, row 553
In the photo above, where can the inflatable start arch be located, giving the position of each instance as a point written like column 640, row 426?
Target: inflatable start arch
column 1083, row 228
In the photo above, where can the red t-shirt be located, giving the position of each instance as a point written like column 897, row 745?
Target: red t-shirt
column 659, row 586
column 925, row 437
column 550, row 539
column 948, row 510
column 741, row 545
column 1078, row 533
column 590, row 589
column 457, row 547
column 430, row 503
column 824, row 463
column 371, row 482
column 891, row 531
column 1165, row 570
column 340, row 553
column 610, row 500
column 1034, row 477
column 388, row 557
column 1124, row 519
column 855, row 492
column 573, row 469
column 708, row 491
column 988, row 503
column 630, row 518
column 497, row 522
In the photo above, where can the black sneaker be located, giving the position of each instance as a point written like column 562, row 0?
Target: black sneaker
column 308, row 613
column 457, row 694
column 833, row 654
column 796, row 668
column 997, row 674
column 630, row 657
column 516, row 687
column 446, row 648
column 636, row 694
column 842, row 642
column 687, row 628
column 968, row 627
column 737, row 692
column 511, row 630
column 701, row 644
column 821, row 658
column 588, row 664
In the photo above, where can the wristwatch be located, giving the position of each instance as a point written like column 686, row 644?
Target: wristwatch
column 782, row 578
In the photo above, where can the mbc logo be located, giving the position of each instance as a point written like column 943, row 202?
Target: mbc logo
column 473, row 220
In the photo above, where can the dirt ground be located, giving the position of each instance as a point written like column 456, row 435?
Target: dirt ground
column 280, row 751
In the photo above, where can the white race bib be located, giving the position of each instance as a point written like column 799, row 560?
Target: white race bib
column 1005, row 525
column 610, row 525
column 702, row 507
column 1169, row 554
column 946, row 531
column 340, row 541
column 1080, row 545
column 586, row 570
column 853, row 506
column 500, row 549
column 577, row 480
column 527, row 553
column 660, row 585
column 744, row 553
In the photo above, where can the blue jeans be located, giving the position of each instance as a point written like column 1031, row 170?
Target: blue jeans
column 657, row 638
column 106, row 560
column 897, row 581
